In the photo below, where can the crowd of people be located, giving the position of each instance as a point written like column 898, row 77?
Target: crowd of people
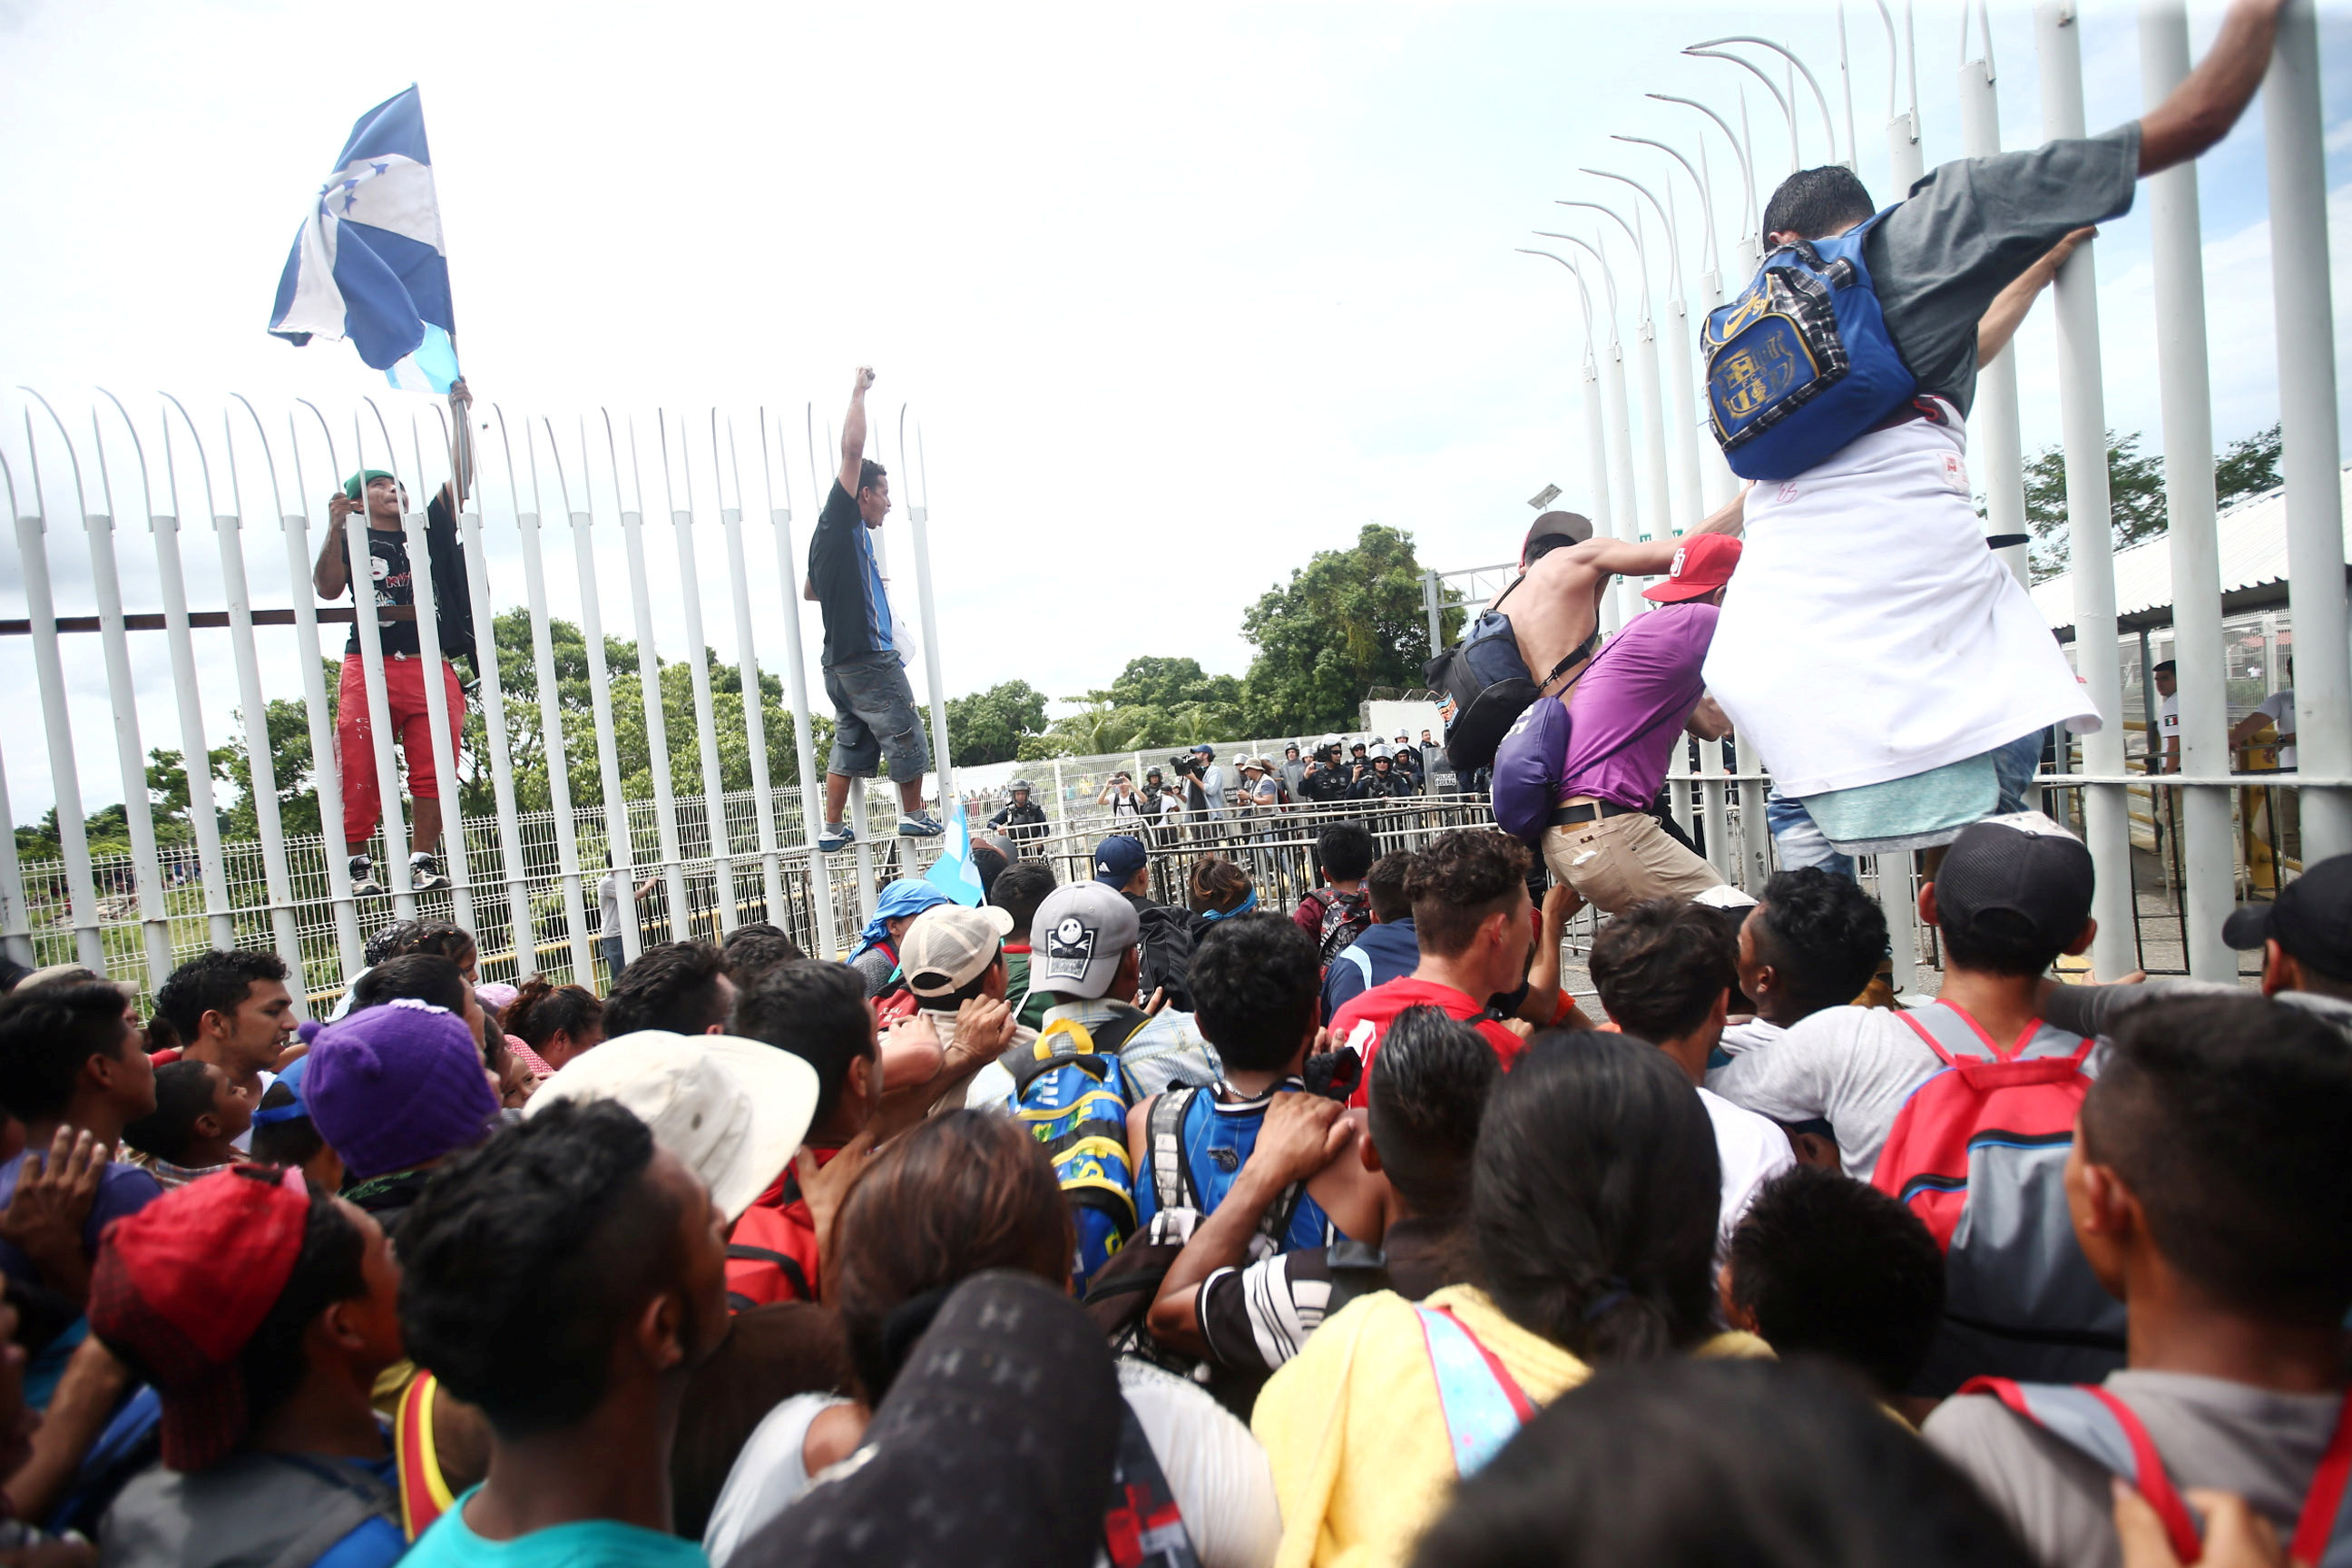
column 1066, row 1226
column 1381, row 1248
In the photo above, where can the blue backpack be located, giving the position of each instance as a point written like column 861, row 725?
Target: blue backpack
column 1071, row 1093
column 1801, row 364
column 1197, row 1153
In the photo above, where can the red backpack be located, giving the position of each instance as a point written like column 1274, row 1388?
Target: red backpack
column 1979, row 1152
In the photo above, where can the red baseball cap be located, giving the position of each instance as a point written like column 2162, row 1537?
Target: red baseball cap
column 1703, row 563
column 179, row 1287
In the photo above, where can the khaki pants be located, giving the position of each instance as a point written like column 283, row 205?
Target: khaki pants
column 1619, row 861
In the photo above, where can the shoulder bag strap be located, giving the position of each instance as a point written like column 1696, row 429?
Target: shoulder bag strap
column 2104, row 1429
column 1170, row 1181
column 2323, row 1536
column 1929, row 1039
column 1483, row 1403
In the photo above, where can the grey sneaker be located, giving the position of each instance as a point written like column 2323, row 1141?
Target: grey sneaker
column 363, row 883
column 425, row 873
column 836, row 835
column 918, row 825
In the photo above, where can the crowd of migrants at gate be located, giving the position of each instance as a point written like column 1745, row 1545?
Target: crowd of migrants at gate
column 1068, row 1226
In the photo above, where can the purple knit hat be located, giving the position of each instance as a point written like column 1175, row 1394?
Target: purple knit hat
column 397, row 1084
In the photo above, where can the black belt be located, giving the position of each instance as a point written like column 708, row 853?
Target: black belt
column 1570, row 815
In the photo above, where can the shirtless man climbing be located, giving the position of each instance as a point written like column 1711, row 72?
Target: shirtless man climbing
column 1558, row 601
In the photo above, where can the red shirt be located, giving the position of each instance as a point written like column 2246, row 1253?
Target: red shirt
column 771, row 1254
column 1366, row 1019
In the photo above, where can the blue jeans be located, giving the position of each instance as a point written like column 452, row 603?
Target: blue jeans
column 1801, row 842
column 1798, row 842
column 873, row 716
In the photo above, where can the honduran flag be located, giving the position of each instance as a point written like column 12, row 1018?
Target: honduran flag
column 369, row 264
column 955, row 873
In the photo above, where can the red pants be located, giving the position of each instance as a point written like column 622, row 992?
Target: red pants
column 403, row 690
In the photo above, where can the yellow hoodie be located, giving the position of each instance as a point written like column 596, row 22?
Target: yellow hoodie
column 1356, row 1436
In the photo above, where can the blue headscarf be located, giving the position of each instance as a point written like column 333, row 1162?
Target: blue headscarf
column 1245, row 907
column 907, row 896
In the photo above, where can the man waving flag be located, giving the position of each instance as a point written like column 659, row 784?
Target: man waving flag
column 369, row 264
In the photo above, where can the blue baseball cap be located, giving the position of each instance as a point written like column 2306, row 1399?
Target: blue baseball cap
column 1205, row 751
column 276, row 1108
column 1119, row 857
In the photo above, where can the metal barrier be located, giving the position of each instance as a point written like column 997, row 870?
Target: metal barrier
column 526, row 881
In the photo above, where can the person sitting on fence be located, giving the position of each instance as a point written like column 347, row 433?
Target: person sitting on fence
column 1250, row 1313
column 681, row 986
column 261, row 1309
column 71, row 1073
column 1384, row 950
column 1894, row 674
column 200, row 1111
column 393, row 578
column 2209, row 1190
column 231, row 1009
column 874, row 714
column 1475, row 925
column 1023, row 820
column 557, row 1022
column 1018, row 890
column 1664, row 970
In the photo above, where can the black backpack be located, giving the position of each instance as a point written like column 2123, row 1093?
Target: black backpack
column 1342, row 918
column 1167, row 942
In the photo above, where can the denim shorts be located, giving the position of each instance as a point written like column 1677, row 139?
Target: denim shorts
column 874, row 717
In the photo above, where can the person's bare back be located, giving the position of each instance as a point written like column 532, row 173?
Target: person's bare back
column 1557, row 602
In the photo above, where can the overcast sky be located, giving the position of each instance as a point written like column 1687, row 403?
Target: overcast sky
column 1177, row 297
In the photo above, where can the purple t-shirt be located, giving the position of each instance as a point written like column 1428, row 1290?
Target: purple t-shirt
column 1627, row 710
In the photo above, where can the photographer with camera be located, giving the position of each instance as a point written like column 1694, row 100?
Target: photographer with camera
column 1130, row 806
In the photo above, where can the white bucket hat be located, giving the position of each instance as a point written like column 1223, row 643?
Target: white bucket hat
column 732, row 1110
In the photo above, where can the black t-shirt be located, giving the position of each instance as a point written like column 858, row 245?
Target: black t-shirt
column 396, row 586
column 848, row 582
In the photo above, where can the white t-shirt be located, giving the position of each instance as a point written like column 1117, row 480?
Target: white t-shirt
column 1747, row 1037
column 2167, row 725
column 608, row 903
column 1752, row 1150
column 1215, row 1468
column 1853, row 1067
column 2279, row 709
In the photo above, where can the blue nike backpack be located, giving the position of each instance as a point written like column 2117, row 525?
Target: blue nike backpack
column 1800, row 363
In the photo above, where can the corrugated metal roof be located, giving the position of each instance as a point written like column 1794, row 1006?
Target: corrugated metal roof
column 2253, row 538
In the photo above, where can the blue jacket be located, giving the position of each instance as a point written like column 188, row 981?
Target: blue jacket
column 1383, row 953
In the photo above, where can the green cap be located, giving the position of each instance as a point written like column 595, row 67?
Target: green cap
column 353, row 486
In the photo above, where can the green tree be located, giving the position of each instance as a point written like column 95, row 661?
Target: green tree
column 990, row 726
column 1351, row 620
column 2248, row 467
column 2135, row 501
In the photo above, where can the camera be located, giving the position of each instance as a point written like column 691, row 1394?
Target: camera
column 1186, row 766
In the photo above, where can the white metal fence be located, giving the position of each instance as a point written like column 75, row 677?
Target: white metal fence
column 1639, row 324
column 111, row 508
